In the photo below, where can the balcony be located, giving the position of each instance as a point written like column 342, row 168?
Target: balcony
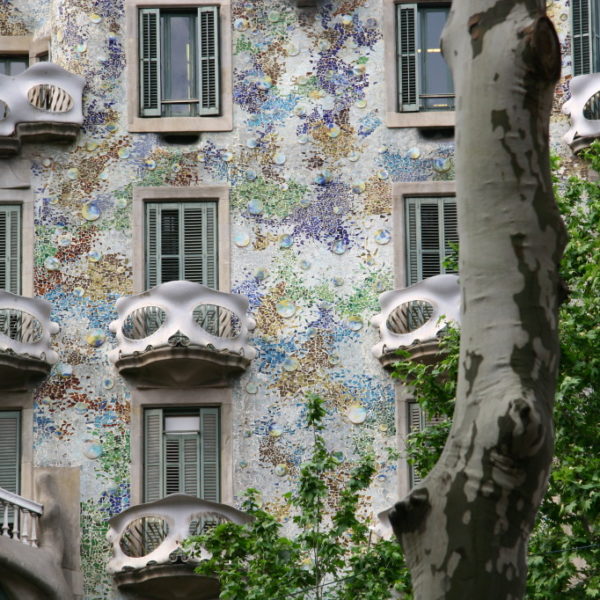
column 182, row 334
column 148, row 561
column 412, row 319
column 42, row 104
column 25, row 329
column 584, row 109
column 26, row 569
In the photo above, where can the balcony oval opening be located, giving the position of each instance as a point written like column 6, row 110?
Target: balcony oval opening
column 20, row 326
column 3, row 110
column 143, row 536
column 591, row 110
column 143, row 322
column 205, row 521
column 409, row 316
column 50, row 98
column 217, row 320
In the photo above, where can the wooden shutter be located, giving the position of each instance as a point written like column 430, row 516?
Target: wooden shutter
column 407, row 45
column 10, row 450
column 10, row 248
column 415, row 423
column 210, row 454
column 153, row 455
column 150, row 84
column 182, row 243
column 200, row 243
column 431, row 224
column 208, row 60
column 581, row 15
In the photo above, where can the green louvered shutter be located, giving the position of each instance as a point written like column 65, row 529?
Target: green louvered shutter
column 181, row 243
column 415, row 424
column 200, row 243
column 182, row 460
column 10, row 450
column 450, row 230
column 153, row 455
column 210, row 453
column 10, row 248
column 152, row 245
column 208, row 61
column 407, row 45
column 431, row 224
column 150, row 85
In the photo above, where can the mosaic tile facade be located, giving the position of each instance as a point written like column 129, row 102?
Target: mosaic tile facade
column 310, row 165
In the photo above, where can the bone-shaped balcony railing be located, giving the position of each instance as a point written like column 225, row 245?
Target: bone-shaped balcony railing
column 182, row 314
column 20, row 518
column 414, row 315
column 151, row 534
column 44, row 93
column 584, row 109
column 25, row 327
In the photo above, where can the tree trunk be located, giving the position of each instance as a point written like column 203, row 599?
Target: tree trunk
column 465, row 528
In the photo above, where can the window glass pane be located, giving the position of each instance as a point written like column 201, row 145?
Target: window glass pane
column 437, row 89
column 179, row 63
column 182, row 423
column 13, row 65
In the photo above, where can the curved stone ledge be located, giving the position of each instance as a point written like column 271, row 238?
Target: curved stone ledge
column 584, row 89
column 413, row 318
column 182, row 334
column 25, row 331
column 42, row 104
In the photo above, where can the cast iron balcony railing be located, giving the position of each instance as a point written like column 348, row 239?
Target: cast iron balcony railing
column 182, row 333
column 584, row 109
column 25, row 330
column 147, row 550
column 20, row 518
column 43, row 103
column 413, row 318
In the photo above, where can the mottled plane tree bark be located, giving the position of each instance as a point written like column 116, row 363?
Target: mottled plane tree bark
column 465, row 528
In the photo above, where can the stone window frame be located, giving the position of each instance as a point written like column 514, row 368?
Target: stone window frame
column 208, row 193
column 393, row 117
column 401, row 191
column 25, row 44
column 178, row 125
column 403, row 394
column 23, row 197
column 142, row 399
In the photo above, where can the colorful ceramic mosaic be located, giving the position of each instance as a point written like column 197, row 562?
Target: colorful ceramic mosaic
column 310, row 165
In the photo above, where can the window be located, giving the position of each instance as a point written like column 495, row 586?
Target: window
column 585, row 15
column 417, row 421
column 10, row 248
column 179, row 62
column 13, row 64
column 181, row 243
column 419, row 88
column 424, row 80
column 10, row 450
column 431, row 228
column 182, row 452
column 179, row 78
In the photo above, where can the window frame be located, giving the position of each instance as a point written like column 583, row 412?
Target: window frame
column 180, row 437
column 210, row 397
column 401, row 191
column 394, row 117
column 594, row 13
column 150, row 195
column 15, row 190
column 179, row 125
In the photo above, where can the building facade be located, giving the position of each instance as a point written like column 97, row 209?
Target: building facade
column 268, row 169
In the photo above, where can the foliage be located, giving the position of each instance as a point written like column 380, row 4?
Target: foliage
column 330, row 557
column 564, row 551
